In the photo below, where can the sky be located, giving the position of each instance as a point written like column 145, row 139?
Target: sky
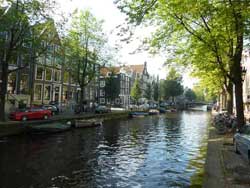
column 107, row 11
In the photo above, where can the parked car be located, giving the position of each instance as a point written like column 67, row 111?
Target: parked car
column 144, row 106
column 54, row 110
column 30, row 113
column 102, row 109
column 242, row 142
column 133, row 107
column 55, row 103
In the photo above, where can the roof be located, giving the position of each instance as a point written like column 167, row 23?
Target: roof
column 104, row 71
column 128, row 68
column 137, row 68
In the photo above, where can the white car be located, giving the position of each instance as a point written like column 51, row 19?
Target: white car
column 242, row 142
column 144, row 106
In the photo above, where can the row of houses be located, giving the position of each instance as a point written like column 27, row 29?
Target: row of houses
column 47, row 80
column 45, row 77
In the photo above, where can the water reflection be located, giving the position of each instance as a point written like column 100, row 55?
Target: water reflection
column 157, row 151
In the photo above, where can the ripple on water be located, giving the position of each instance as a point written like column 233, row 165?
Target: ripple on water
column 152, row 152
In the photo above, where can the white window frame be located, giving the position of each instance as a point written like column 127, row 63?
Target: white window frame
column 50, row 92
column 117, row 100
column 102, row 83
column 102, row 93
column 59, row 75
column 50, row 74
column 102, row 100
column 42, row 72
column 35, row 91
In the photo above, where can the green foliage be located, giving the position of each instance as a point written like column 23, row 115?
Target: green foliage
column 136, row 90
column 162, row 89
column 24, row 25
column 156, row 91
column 148, row 91
column 21, row 33
column 83, row 45
column 199, row 34
column 174, row 75
column 172, row 85
column 173, row 88
column 207, row 38
column 203, row 95
column 190, row 94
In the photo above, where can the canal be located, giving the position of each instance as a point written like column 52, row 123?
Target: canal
column 154, row 152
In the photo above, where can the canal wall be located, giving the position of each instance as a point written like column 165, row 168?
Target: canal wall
column 10, row 128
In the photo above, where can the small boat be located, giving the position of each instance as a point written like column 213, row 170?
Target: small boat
column 87, row 123
column 162, row 110
column 171, row 110
column 153, row 112
column 138, row 114
column 48, row 128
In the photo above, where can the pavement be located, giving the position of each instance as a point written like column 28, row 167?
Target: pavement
column 223, row 167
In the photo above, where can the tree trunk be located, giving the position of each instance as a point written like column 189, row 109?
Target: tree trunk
column 3, row 90
column 230, row 98
column 81, row 99
column 238, row 85
column 239, row 105
column 237, row 69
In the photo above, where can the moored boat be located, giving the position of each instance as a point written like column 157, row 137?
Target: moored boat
column 87, row 123
column 153, row 112
column 162, row 110
column 138, row 114
column 171, row 110
column 48, row 128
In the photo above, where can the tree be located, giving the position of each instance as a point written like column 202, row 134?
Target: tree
column 148, row 91
column 136, row 91
column 19, row 34
column 172, row 85
column 173, row 88
column 156, row 91
column 162, row 89
column 220, row 26
column 84, row 43
column 190, row 94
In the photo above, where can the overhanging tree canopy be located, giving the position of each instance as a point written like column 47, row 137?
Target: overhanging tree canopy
column 220, row 26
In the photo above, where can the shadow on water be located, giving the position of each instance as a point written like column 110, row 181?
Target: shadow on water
column 156, row 151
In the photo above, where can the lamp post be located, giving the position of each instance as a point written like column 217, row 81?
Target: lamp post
column 243, row 73
column 244, row 90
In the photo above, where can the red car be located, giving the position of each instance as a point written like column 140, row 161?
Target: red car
column 30, row 113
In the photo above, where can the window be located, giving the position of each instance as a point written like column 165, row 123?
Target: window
column 57, row 75
column 39, row 73
column 47, row 91
column 49, row 59
column 40, row 60
column 48, row 74
column 108, row 73
column 117, row 101
column 102, row 83
column 102, row 93
column 38, row 92
column 102, row 100
column 24, row 84
column 66, row 77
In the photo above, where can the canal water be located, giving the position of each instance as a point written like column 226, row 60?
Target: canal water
column 154, row 152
